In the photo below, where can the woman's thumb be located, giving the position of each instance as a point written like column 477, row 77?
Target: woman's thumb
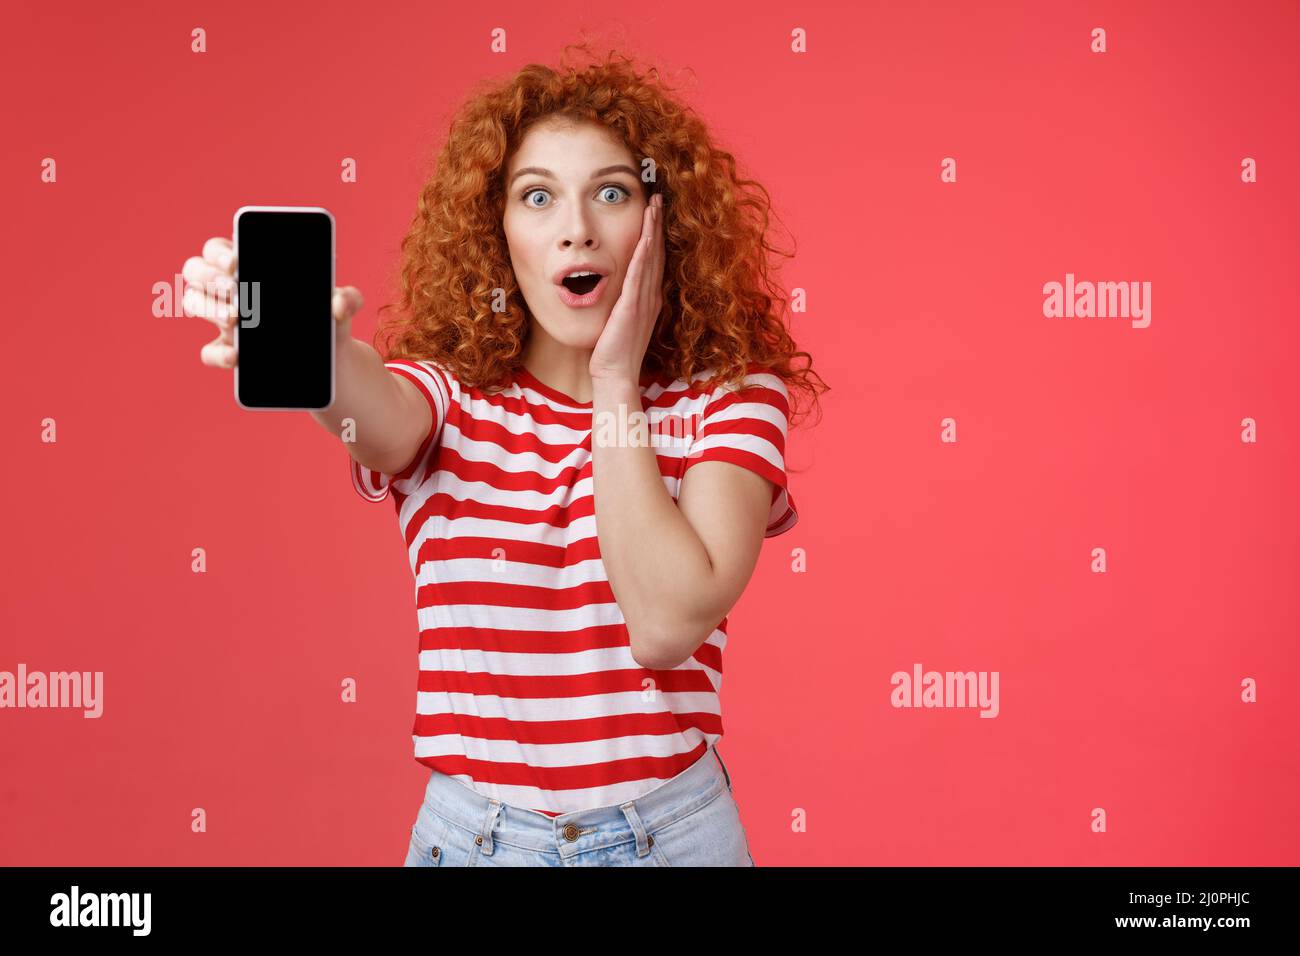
column 347, row 302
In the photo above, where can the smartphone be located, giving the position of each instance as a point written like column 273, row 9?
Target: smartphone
column 284, row 334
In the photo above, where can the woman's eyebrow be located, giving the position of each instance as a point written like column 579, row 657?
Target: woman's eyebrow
column 537, row 170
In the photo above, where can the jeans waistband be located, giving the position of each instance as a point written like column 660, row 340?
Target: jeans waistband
column 579, row 830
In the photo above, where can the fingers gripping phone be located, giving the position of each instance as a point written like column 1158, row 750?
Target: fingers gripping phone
column 284, row 334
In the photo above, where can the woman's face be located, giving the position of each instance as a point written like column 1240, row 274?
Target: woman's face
column 573, row 199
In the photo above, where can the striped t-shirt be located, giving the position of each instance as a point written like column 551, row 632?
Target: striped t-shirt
column 528, row 692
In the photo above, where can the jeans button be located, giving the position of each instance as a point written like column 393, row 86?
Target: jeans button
column 570, row 832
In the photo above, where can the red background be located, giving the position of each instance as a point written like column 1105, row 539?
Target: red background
column 1118, row 690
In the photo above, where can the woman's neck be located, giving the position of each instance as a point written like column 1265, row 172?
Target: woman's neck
column 565, row 369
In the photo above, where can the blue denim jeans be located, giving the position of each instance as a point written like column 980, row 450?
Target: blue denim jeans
column 689, row 820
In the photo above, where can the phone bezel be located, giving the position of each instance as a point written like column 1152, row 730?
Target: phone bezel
column 333, row 281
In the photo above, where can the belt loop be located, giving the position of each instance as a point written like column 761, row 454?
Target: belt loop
column 723, row 766
column 634, row 821
column 489, row 823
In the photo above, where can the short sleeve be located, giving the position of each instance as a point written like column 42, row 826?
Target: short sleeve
column 435, row 385
column 746, row 424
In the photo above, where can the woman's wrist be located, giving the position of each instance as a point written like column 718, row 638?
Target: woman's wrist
column 613, row 383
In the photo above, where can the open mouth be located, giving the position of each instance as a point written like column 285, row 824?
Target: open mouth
column 581, row 285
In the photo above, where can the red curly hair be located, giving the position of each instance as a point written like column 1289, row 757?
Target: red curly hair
column 722, row 311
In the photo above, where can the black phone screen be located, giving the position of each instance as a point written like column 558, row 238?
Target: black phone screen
column 284, row 335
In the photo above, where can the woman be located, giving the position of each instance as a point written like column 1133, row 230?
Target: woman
column 588, row 351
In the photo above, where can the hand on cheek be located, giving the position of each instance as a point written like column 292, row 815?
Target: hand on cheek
column 621, row 348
